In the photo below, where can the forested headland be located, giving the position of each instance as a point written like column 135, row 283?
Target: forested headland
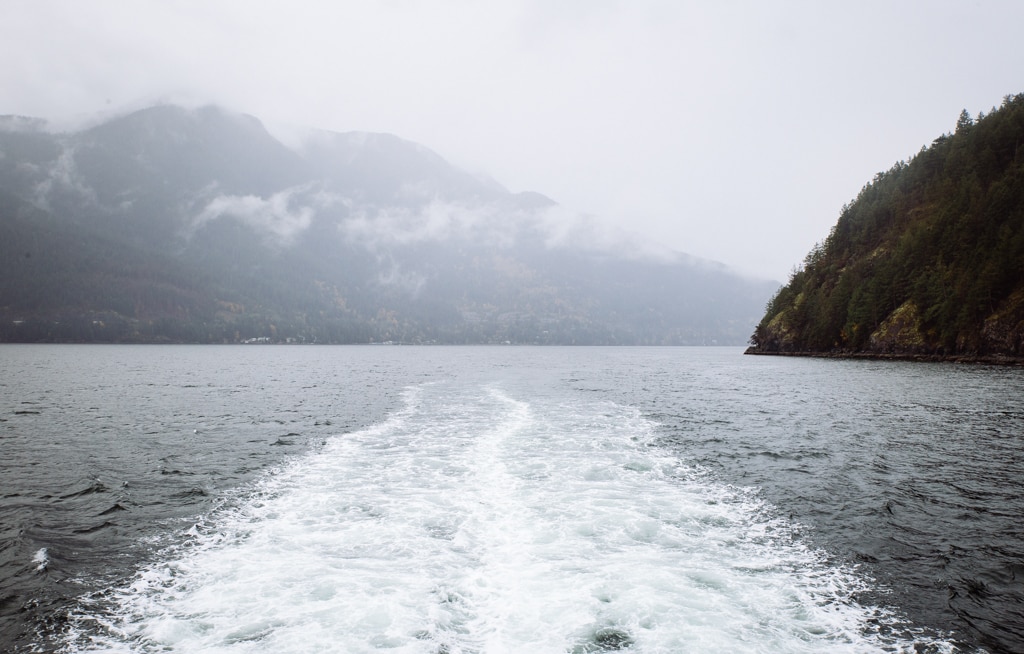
column 926, row 262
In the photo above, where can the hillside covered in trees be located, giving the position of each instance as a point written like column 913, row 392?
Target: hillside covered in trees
column 928, row 260
column 180, row 225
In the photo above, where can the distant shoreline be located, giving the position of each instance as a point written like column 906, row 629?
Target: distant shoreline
column 995, row 360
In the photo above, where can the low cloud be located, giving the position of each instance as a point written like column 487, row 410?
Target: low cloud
column 568, row 229
column 498, row 225
column 282, row 216
column 487, row 224
column 62, row 176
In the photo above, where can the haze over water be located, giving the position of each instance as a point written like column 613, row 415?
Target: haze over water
column 488, row 499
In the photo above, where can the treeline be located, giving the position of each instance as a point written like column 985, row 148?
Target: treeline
column 928, row 259
column 111, row 327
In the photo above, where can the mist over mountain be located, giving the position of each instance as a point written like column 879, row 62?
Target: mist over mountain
column 177, row 225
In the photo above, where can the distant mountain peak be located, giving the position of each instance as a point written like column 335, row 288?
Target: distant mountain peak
column 198, row 224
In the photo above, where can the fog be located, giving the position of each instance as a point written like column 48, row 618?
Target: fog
column 733, row 131
column 283, row 215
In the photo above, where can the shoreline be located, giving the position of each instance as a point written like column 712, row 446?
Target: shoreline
column 994, row 360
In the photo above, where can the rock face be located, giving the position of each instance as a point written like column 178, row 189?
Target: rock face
column 1003, row 331
column 928, row 261
column 200, row 226
column 900, row 332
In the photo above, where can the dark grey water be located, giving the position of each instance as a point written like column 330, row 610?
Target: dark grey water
column 506, row 499
column 107, row 450
column 914, row 470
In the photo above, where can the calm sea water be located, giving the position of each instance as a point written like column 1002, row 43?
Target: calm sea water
column 506, row 499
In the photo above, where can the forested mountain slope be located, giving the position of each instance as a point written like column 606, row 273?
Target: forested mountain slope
column 178, row 225
column 928, row 260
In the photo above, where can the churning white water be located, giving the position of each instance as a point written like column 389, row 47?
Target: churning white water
column 477, row 520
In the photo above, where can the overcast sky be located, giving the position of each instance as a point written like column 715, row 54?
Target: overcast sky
column 733, row 131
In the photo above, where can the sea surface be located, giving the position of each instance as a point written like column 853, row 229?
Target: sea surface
column 449, row 500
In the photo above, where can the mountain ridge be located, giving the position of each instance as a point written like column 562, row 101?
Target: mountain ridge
column 198, row 225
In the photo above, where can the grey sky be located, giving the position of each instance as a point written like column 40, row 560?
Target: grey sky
column 733, row 131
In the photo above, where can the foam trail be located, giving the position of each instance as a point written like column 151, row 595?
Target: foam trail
column 473, row 521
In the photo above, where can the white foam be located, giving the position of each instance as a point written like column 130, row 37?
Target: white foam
column 41, row 559
column 476, row 522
